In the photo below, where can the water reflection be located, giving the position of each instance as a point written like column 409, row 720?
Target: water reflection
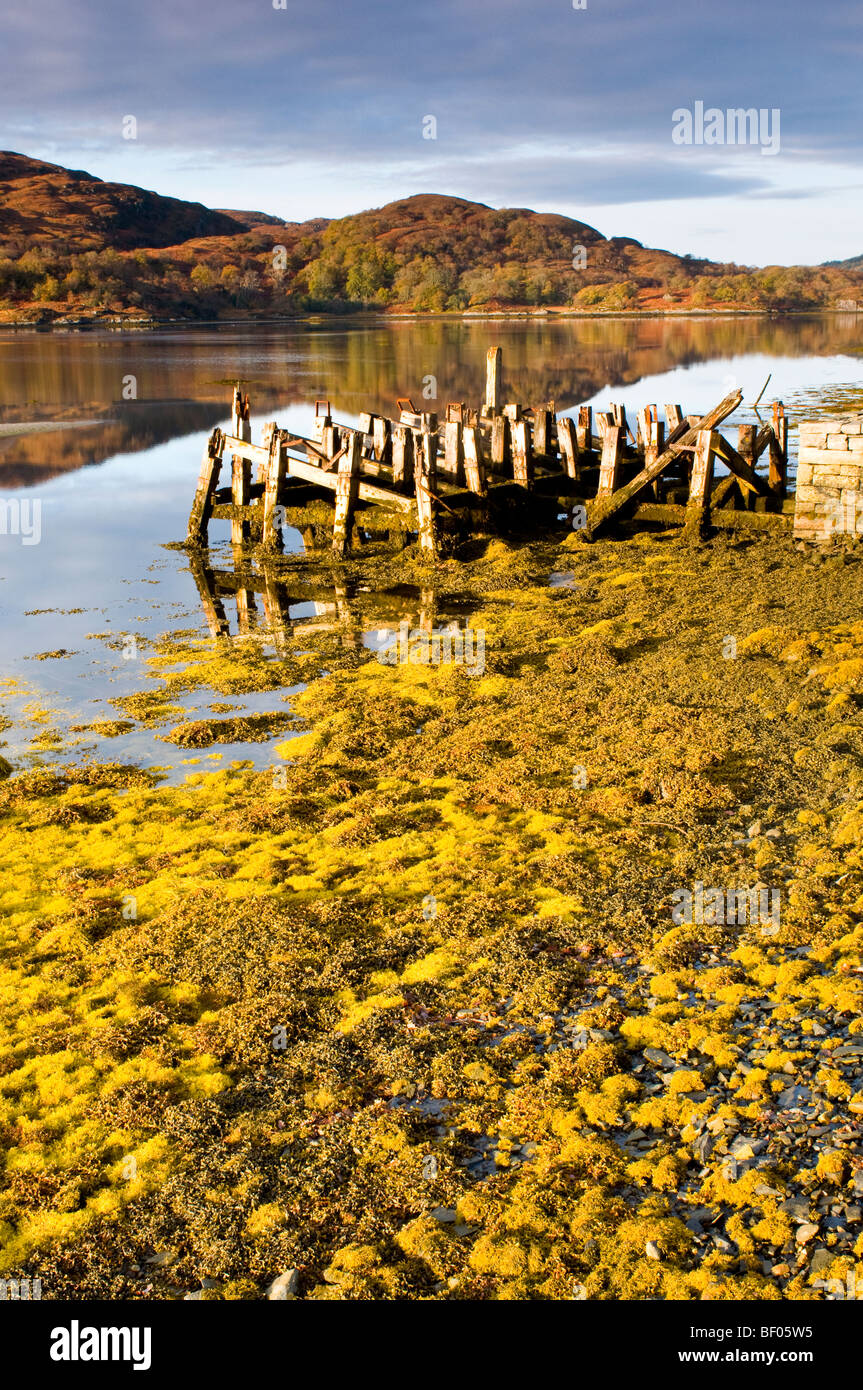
column 180, row 379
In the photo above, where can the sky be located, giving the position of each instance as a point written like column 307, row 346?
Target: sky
column 328, row 107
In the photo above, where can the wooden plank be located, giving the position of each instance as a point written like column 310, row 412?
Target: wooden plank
column 609, row 464
column 601, row 509
column 522, row 459
column 674, row 417
column 604, row 421
column 241, row 486
column 492, row 378
column 745, row 474
column 474, row 460
column 347, row 491
column 208, row 477
column 674, row 514
column 567, row 439
column 367, row 492
column 426, row 467
column 271, row 533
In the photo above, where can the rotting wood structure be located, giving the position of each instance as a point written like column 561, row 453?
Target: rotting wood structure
column 422, row 476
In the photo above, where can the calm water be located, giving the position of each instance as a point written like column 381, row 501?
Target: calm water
column 132, row 412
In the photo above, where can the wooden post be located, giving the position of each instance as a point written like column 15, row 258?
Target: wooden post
column 522, row 460
column 474, row 461
column 499, row 443
column 453, row 451
column 347, row 485
column 202, row 506
column 776, row 475
column 567, row 438
column 746, row 440
column 541, row 430
column 609, row 466
column 778, row 470
column 403, row 457
column 425, row 473
column 780, row 427
column 619, row 413
column 492, row 379
column 271, row 534
column 604, row 421
column 674, row 416
column 241, row 482
column 698, row 505
column 382, row 443
column 654, row 445
column 584, row 428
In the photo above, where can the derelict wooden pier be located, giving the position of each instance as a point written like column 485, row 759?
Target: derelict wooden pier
column 418, row 476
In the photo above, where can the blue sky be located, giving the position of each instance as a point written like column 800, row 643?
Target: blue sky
column 318, row 109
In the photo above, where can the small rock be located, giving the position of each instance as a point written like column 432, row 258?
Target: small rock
column 284, row 1287
column 797, row 1207
column 652, row 1251
column 808, row 1231
column 658, row 1057
column 821, row 1258
column 444, row 1213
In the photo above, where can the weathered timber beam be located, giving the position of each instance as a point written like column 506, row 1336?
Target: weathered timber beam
column 740, row 468
column 671, row 513
column 367, row 492
column 602, row 508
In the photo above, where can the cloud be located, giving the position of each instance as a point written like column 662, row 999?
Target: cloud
column 337, row 91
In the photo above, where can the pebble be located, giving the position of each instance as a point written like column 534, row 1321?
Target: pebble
column 285, row 1286
column 652, row 1251
column 808, row 1231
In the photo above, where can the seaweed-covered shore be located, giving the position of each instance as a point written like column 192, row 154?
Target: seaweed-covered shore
column 413, row 1013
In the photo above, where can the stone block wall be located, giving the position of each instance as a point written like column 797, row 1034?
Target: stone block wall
column 829, row 499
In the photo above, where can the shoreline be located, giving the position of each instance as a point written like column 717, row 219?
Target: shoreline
column 118, row 322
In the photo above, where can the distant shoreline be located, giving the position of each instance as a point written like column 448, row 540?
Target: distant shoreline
column 119, row 322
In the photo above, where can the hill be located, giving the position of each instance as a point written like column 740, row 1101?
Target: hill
column 73, row 246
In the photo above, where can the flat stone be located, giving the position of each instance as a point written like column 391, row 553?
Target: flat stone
column 821, row 1258
column 798, row 1207
column 652, row 1251
column 659, row 1058
column 808, row 1231
column 444, row 1213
